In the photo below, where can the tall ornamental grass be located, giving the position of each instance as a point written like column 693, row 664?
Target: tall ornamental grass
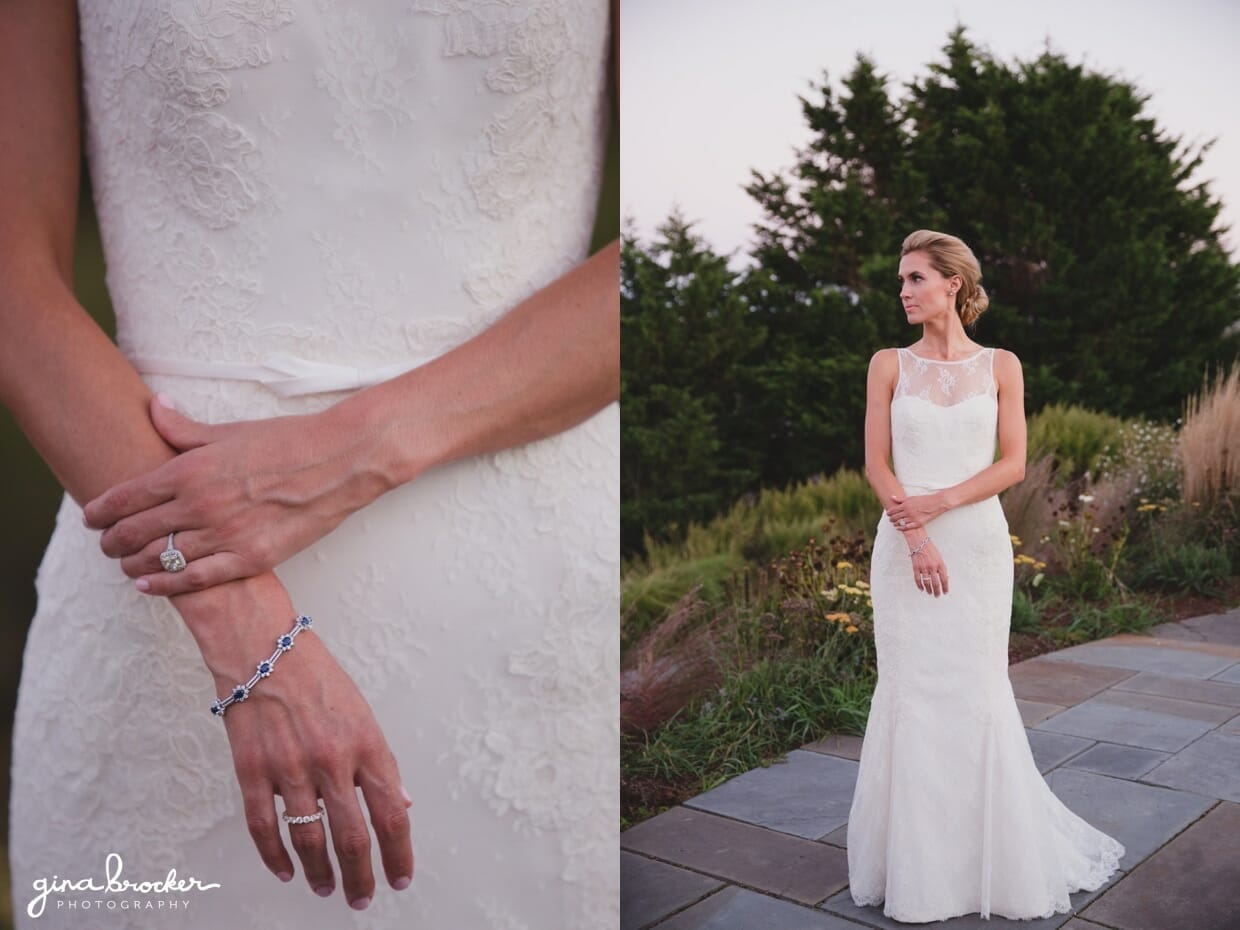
column 1210, row 440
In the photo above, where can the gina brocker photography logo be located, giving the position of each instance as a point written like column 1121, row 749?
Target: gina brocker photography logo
column 114, row 892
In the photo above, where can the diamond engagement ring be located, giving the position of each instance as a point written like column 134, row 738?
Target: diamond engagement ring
column 304, row 818
column 172, row 559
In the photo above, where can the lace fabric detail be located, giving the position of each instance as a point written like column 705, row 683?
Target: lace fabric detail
column 945, row 751
column 364, row 78
column 946, row 383
column 357, row 185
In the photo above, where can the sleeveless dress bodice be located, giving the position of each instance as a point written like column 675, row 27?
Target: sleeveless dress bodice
column 283, row 183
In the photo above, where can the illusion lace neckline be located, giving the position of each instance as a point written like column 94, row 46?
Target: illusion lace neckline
column 945, row 361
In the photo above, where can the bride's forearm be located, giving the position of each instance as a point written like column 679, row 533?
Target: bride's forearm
column 77, row 399
column 545, row 366
column 986, row 483
column 84, row 408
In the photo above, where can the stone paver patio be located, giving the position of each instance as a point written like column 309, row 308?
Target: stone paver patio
column 1140, row 735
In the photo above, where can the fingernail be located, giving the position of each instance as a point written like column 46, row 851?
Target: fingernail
column 323, row 890
column 85, row 522
column 402, row 883
column 360, row 904
column 405, row 794
column 284, row 876
column 166, row 401
column 142, row 584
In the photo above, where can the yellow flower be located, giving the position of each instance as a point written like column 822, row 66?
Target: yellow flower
column 1015, row 540
column 840, row 618
column 1038, row 566
column 863, row 584
column 850, row 629
column 843, row 564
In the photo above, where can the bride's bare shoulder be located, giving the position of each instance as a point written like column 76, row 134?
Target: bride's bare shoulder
column 1007, row 361
column 1008, row 373
column 884, row 360
column 884, row 369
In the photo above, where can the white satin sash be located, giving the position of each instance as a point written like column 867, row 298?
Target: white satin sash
column 286, row 375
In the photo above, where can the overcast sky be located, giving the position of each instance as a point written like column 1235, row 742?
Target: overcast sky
column 709, row 87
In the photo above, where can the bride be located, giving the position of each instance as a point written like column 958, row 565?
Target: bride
column 950, row 814
column 341, row 504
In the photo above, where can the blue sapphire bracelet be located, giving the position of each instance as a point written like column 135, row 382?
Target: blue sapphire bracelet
column 283, row 645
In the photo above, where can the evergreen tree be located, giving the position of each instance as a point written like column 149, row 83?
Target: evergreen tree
column 686, row 334
column 1099, row 263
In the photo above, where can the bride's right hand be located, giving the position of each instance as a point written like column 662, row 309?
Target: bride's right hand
column 929, row 569
column 304, row 733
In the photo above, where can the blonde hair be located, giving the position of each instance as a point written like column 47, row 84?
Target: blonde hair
column 948, row 256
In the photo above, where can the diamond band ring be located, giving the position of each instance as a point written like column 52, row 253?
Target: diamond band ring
column 172, row 559
column 304, row 818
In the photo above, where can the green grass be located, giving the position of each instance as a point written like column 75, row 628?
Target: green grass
column 756, row 716
column 1076, row 437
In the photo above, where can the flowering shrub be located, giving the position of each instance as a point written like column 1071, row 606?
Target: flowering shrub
column 1087, row 557
column 1151, row 452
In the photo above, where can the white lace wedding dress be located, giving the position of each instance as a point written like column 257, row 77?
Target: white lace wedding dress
column 950, row 815
column 297, row 198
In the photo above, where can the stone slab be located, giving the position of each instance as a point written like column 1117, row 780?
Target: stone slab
column 1210, row 767
column 1231, row 726
column 1213, row 714
column 843, row 745
column 1076, row 923
column 1111, row 722
column 1230, row 674
column 1032, row 712
column 808, row 794
column 779, row 863
column 1190, row 882
column 1211, row 691
column 1142, row 817
column 1117, row 761
column 873, row 916
column 741, row 909
column 1217, row 628
column 1159, row 655
column 1203, row 647
column 1174, row 630
column 650, row 890
column 837, row 837
column 1052, row 749
column 1061, row 682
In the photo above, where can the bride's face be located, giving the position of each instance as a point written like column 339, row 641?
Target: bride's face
column 925, row 294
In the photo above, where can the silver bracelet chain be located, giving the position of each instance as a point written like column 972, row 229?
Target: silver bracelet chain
column 916, row 549
column 265, row 667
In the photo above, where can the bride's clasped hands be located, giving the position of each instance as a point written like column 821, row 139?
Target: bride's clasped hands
column 241, row 497
column 910, row 514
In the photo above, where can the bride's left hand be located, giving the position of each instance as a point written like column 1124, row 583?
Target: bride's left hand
column 242, row 497
column 916, row 510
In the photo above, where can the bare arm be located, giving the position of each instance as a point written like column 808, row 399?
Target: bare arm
column 550, row 363
column 880, row 385
column 85, row 410
column 71, row 391
column 929, row 571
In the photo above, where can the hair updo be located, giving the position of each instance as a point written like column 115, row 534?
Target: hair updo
column 948, row 256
